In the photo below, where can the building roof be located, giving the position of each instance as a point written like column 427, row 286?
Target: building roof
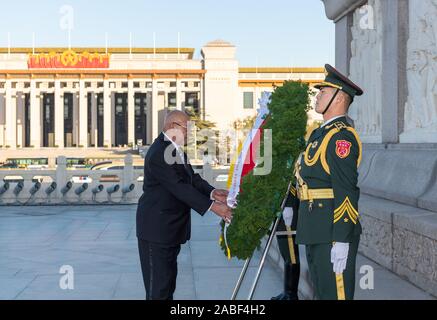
column 219, row 43
column 281, row 70
column 189, row 51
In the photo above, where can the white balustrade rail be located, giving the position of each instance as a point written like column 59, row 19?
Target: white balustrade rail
column 62, row 176
column 128, row 180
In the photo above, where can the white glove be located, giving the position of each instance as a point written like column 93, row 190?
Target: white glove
column 287, row 215
column 339, row 253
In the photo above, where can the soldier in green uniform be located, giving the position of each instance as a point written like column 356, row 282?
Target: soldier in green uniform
column 326, row 174
column 288, row 248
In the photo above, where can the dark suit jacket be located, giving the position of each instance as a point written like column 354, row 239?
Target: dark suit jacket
column 169, row 193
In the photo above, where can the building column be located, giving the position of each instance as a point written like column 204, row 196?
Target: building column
column 107, row 115
column 154, row 111
column 256, row 96
column 149, row 132
column 201, row 99
column 179, row 98
column 113, row 117
column 21, row 121
column 75, row 119
column 59, row 115
column 35, row 116
column 83, row 115
column 131, row 113
column 11, row 117
column 2, row 120
column 94, row 133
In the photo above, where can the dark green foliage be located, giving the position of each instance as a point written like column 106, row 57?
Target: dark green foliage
column 261, row 195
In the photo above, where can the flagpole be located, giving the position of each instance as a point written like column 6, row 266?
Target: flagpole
column 9, row 45
column 179, row 45
column 256, row 67
column 33, row 42
column 130, row 45
column 154, row 45
column 106, row 42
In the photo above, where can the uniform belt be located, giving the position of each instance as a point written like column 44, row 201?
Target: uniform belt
column 312, row 194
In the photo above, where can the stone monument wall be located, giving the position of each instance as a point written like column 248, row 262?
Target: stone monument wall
column 366, row 69
column 420, row 119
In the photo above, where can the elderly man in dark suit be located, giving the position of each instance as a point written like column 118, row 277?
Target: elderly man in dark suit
column 171, row 189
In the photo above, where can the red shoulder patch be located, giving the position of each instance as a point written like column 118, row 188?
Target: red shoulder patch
column 343, row 148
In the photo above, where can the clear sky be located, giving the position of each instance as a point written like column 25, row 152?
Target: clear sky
column 266, row 33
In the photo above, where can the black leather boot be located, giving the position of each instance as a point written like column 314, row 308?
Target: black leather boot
column 291, row 282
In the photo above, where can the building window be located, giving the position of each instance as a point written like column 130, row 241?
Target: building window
column 99, row 84
column 87, row 84
column 136, row 84
column 100, row 106
column 173, row 84
column 192, row 101
column 124, row 84
column 148, row 84
column 248, row 100
column 172, row 100
column 27, row 85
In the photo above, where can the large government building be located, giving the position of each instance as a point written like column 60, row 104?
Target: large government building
column 107, row 98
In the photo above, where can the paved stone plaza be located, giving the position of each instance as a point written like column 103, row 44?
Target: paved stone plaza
column 99, row 243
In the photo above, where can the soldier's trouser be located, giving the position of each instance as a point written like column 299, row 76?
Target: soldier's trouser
column 327, row 285
column 288, row 253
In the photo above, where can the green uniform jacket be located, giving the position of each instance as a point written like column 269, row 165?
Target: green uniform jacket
column 330, row 161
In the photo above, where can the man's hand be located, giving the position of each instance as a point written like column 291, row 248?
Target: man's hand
column 220, row 195
column 222, row 210
column 287, row 215
column 339, row 253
